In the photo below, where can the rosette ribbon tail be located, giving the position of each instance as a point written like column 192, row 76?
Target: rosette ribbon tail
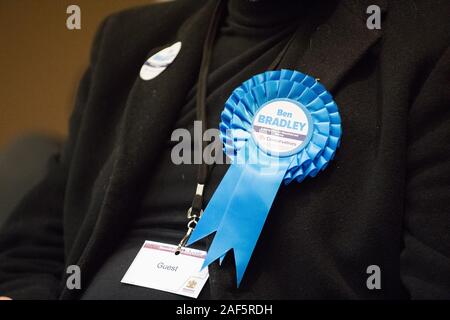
column 212, row 216
column 242, row 221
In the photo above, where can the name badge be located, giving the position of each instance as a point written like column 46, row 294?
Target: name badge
column 157, row 267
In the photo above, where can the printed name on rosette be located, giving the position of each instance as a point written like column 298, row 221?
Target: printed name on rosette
column 281, row 127
column 280, row 122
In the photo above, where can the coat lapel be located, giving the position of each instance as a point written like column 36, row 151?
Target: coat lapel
column 149, row 115
column 338, row 44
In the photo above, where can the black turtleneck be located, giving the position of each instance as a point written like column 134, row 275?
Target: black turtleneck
column 262, row 15
column 251, row 36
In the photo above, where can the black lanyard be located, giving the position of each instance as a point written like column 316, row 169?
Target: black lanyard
column 204, row 170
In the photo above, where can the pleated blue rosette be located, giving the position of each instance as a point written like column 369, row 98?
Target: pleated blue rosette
column 240, row 205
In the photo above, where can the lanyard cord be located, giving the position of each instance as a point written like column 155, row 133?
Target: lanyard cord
column 203, row 169
column 195, row 211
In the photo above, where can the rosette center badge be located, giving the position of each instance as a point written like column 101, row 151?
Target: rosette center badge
column 277, row 127
column 282, row 127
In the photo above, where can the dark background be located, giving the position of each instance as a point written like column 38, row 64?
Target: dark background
column 41, row 61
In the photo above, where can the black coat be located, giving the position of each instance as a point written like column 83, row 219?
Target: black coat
column 385, row 199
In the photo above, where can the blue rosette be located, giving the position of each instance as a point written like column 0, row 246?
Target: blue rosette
column 244, row 102
column 289, row 123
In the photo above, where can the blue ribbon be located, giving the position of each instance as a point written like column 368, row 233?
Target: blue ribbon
column 240, row 205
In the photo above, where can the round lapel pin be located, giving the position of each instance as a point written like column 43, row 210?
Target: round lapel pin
column 158, row 62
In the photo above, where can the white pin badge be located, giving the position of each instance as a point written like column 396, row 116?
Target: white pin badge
column 158, row 62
